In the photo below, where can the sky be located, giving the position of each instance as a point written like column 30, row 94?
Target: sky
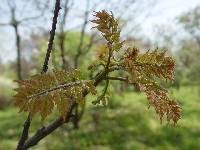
column 163, row 12
column 166, row 12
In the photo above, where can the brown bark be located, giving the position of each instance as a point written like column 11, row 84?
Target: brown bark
column 52, row 35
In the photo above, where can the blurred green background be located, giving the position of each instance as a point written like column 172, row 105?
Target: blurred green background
column 125, row 123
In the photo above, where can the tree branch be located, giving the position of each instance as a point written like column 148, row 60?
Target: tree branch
column 44, row 131
column 24, row 135
column 52, row 34
column 18, row 39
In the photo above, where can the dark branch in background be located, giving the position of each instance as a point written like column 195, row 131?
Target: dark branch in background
column 52, row 34
column 62, row 35
column 15, row 24
column 79, row 49
column 18, row 39
column 92, row 41
column 27, row 123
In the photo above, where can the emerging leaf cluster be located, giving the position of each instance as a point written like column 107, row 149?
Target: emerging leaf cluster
column 143, row 68
column 108, row 26
column 43, row 92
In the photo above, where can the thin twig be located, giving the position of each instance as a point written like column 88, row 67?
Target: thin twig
column 80, row 46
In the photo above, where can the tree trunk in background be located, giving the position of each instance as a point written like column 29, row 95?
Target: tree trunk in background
column 62, row 36
column 19, row 74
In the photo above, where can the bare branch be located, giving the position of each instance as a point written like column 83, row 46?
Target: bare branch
column 24, row 135
column 18, row 41
column 66, row 10
column 52, row 34
column 44, row 131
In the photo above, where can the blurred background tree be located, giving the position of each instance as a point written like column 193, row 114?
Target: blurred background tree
column 189, row 53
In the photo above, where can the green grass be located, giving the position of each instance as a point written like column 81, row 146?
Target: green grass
column 127, row 125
